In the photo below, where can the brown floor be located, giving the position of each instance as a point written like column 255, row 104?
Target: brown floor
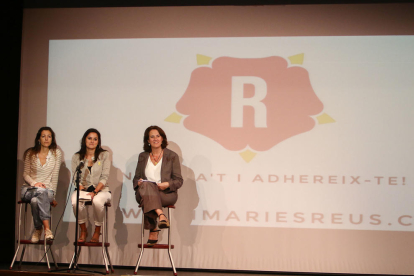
column 41, row 269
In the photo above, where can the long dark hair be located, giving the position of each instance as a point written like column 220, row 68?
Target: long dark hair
column 37, row 146
column 164, row 143
column 98, row 150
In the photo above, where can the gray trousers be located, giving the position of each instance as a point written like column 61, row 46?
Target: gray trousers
column 151, row 198
column 39, row 199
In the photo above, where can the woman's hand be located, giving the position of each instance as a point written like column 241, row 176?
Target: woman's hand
column 140, row 182
column 40, row 185
column 81, row 188
column 163, row 185
column 54, row 203
column 98, row 188
column 92, row 194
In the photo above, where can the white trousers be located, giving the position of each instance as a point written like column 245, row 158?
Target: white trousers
column 98, row 205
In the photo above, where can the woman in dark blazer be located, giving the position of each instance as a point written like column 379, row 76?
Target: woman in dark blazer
column 156, row 181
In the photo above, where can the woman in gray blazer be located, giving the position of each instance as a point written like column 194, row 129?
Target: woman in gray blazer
column 93, row 179
column 156, row 181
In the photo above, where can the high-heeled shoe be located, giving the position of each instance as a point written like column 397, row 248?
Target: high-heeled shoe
column 82, row 236
column 151, row 243
column 162, row 224
column 95, row 240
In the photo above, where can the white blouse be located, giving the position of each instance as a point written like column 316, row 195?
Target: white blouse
column 153, row 173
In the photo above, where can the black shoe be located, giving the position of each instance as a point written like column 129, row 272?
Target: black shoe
column 151, row 243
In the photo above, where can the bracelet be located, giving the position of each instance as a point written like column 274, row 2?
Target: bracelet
column 95, row 192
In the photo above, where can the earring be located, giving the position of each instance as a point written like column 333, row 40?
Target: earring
column 149, row 144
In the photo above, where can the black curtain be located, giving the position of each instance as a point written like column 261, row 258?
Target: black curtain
column 11, row 38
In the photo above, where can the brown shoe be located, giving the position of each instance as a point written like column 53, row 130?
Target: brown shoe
column 162, row 224
column 82, row 236
column 95, row 239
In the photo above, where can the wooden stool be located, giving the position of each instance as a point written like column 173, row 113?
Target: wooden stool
column 25, row 241
column 168, row 246
column 104, row 244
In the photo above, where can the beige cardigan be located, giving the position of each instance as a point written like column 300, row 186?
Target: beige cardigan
column 99, row 171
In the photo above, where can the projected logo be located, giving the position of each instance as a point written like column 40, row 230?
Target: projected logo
column 249, row 104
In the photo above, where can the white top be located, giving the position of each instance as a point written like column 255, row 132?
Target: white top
column 47, row 174
column 153, row 173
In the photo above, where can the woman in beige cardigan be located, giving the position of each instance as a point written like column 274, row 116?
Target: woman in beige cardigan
column 93, row 179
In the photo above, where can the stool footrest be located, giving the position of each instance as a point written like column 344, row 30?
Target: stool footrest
column 156, row 246
column 41, row 242
column 93, row 244
column 90, row 203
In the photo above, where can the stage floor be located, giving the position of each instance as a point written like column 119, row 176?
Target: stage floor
column 41, row 269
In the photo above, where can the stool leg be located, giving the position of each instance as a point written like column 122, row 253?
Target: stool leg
column 53, row 257
column 47, row 258
column 24, row 221
column 71, row 261
column 109, row 259
column 142, row 243
column 15, row 255
column 18, row 236
column 77, row 257
column 24, row 235
column 169, row 243
column 139, row 259
column 50, row 247
column 104, row 240
column 21, row 256
column 105, row 260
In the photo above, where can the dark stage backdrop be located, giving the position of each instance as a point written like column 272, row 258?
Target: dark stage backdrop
column 11, row 33
column 292, row 124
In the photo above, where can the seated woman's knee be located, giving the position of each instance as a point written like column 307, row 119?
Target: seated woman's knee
column 34, row 201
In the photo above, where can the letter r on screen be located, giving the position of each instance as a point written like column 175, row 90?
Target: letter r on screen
column 238, row 101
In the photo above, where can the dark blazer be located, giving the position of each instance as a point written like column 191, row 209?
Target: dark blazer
column 170, row 170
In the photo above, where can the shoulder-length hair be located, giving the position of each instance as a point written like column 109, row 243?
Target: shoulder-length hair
column 98, row 150
column 147, row 146
column 37, row 146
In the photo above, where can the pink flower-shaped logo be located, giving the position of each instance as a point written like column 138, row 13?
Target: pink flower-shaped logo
column 255, row 102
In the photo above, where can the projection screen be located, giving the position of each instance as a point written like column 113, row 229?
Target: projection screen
column 292, row 123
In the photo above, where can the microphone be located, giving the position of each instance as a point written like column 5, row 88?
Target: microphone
column 80, row 166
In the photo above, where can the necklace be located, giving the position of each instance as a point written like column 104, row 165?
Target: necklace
column 158, row 159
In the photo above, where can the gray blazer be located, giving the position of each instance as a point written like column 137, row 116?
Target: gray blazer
column 99, row 171
column 170, row 170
